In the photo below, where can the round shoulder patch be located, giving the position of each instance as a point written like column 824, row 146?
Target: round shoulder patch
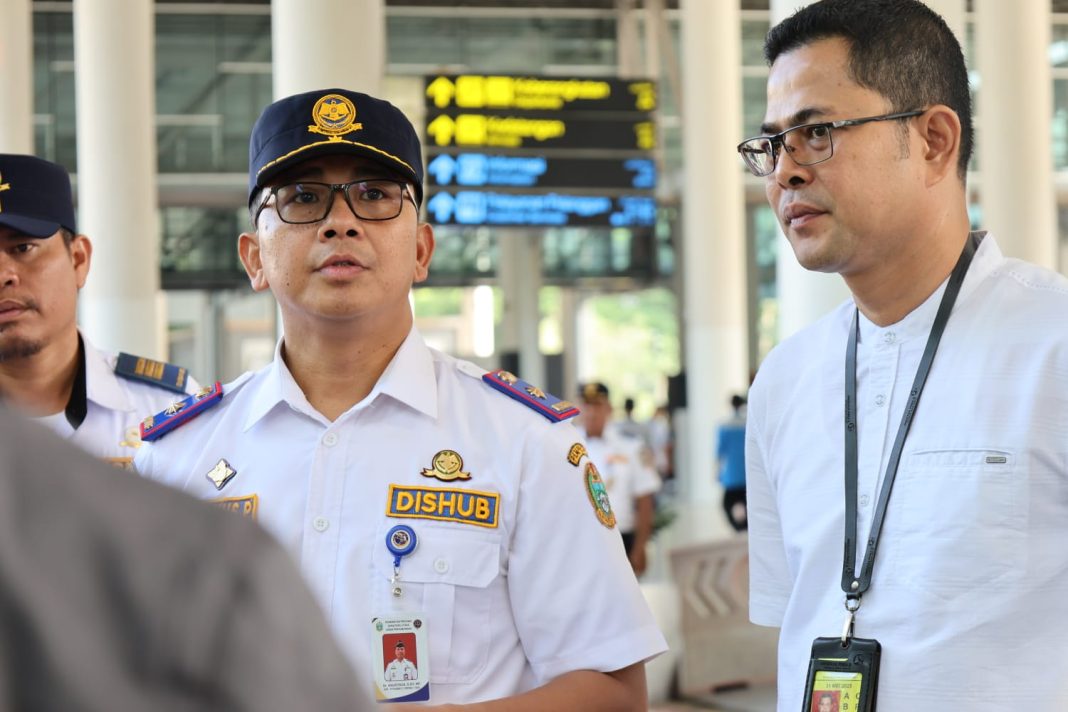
column 599, row 496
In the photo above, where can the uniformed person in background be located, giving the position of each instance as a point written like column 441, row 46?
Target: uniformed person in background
column 419, row 493
column 48, row 369
column 117, row 594
column 626, row 467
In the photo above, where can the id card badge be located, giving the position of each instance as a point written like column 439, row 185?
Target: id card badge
column 842, row 678
column 401, row 658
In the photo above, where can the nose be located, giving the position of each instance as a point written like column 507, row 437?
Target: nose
column 9, row 276
column 341, row 220
column 788, row 173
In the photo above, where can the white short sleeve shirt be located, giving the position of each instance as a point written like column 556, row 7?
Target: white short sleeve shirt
column 513, row 598
column 115, row 408
column 969, row 597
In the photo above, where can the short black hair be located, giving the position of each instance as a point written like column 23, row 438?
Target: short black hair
column 899, row 48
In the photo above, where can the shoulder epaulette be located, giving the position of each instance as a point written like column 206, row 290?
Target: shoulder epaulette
column 156, row 373
column 156, row 426
column 531, row 396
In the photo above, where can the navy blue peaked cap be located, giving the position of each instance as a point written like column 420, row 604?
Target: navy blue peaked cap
column 332, row 121
column 35, row 196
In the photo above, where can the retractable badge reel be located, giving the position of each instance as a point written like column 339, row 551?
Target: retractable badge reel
column 401, row 541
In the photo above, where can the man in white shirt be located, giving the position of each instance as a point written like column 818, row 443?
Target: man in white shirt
column 624, row 464
column 414, row 489
column 48, row 369
column 400, row 668
column 965, row 586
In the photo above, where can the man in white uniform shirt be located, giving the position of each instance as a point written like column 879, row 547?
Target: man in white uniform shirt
column 48, row 369
column 401, row 668
column 410, row 486
column 868, row 139
column 625, row 466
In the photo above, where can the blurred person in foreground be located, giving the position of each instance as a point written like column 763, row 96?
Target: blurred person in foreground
column 945, row 377
column 119, row 594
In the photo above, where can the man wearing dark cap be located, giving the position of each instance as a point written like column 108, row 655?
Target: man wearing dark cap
column 627, row 471
column 413, row 488
column 49, row 369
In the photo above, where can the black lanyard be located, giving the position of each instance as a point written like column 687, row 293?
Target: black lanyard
column 854, row 585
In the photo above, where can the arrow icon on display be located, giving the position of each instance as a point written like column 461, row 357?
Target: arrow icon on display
column 441, row 90
column 443, row 168
column 441, row 130
column 441, row 205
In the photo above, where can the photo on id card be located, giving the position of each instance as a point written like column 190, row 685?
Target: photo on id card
column 401, row 658
column 836, row 691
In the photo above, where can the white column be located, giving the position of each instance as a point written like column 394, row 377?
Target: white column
column 713, row 235
column 519, row 276
column 121, row 305
column 318, row 44
column 16, row 76
column 1013, row 130
column 803, row 296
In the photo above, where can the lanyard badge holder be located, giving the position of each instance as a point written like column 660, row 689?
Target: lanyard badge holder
column 843, row 672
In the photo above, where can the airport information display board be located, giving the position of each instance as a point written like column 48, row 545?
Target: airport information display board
column 549, row 151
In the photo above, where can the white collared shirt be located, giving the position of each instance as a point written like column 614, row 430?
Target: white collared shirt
column 114, row 410
column 969, row 596
column 625, row 475
column 544, row 591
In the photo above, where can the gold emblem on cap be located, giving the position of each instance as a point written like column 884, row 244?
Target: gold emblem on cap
column 536, row 392
column 221, row 474
column 447, row 466
column 3, row 186
column 575, row 454
column 334, row 115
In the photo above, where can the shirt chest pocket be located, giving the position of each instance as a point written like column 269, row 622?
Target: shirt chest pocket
column 963, row 522
column 453, row 577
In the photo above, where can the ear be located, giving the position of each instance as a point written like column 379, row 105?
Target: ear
column 424, row 250
column 248, row 249
column 940, row 131
column 81, row 254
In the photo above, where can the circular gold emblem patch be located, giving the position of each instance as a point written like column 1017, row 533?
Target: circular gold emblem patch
column 447, row 466
column 333, row 115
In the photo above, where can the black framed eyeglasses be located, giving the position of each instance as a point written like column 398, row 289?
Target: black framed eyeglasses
column 807, row 144
column 308, row 201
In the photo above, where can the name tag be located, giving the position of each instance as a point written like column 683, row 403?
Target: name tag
column 450, row 505
column 245, row 506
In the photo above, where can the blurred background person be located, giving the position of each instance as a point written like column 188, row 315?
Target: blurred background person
column 730, row 458
column 629, row 479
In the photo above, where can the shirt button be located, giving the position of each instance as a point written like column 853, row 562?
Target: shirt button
column 889, row 337
column 863, row 500
column 880, row 399
column 330, row 439
column 321, row 524
column 441, row 565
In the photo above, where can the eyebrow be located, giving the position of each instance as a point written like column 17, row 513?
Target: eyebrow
column 801, row 117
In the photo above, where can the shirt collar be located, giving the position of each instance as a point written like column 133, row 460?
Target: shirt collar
column 409, row 378
column 101, row 384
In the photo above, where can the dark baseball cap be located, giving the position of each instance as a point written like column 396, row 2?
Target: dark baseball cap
column 35, row 196
column 594, row 392
column 332, row 121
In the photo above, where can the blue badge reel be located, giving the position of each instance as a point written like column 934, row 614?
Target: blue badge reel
column 401, row 541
